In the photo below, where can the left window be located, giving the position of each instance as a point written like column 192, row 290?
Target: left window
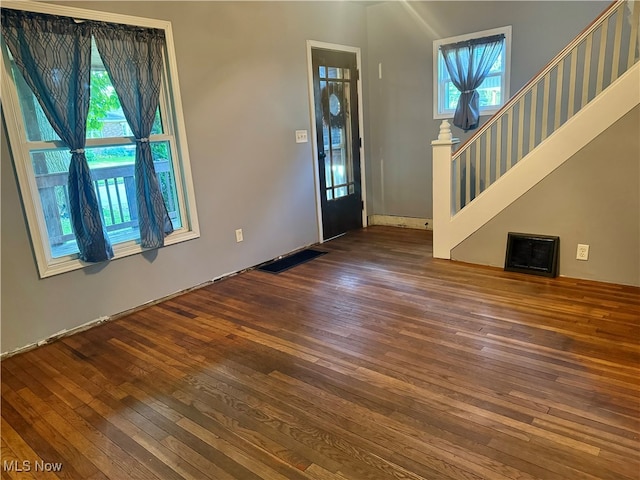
column 42, row 159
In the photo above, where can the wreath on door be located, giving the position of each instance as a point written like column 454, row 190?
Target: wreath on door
column 332, row 109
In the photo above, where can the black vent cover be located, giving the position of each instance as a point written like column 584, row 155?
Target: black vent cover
column 535, row 254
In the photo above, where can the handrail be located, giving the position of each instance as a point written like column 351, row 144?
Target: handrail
column 588, row 64
column 100, row 173
column 595, row 68
column 534, row 80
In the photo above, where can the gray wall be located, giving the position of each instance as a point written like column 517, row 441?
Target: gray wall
column 593, row 199
column 400, row 36
column 243, row 75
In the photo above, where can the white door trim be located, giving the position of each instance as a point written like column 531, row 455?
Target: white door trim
column 311, row 44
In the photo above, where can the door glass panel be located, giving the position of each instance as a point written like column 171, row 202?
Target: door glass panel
column 328, row 171
column 338, row 168
column 336, row 131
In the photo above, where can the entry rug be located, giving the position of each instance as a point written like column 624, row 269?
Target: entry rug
column 278, row 266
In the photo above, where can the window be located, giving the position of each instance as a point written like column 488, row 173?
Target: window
column 494, row 90
column 42, row 159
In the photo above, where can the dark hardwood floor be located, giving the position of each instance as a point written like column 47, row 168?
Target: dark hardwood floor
column 371, row 362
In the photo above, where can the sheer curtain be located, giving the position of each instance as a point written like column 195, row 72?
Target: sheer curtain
column 133, row 59
column 54, row 56
column 468, row 64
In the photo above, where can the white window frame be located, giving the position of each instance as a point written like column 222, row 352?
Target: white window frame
column 505, row 77
column 174, row 133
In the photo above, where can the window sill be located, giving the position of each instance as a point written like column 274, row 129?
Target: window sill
column 68, row 264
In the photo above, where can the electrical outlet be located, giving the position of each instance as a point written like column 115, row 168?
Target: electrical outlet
column 301, row 136
column 583, row 252
column 239, row 236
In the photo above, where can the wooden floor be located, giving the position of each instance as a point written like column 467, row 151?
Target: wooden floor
column 371, row 362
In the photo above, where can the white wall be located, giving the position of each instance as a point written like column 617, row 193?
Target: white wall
column 243, row 75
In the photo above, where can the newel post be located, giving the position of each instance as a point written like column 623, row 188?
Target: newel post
column 441, row 160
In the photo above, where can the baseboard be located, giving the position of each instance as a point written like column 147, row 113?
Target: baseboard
column 56, row 336
column 403, row 222
column 93, row 323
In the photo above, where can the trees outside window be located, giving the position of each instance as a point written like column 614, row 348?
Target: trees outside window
column 42, row 160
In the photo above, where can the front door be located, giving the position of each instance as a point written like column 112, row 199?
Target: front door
column 335, row 77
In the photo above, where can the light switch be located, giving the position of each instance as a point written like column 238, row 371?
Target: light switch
column 301, row 136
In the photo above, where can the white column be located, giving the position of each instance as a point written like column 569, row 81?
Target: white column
column 442, row 191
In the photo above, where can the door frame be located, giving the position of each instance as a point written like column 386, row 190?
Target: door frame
column 313, row 44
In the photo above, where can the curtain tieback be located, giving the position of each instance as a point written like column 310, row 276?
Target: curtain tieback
column 468, row 91
column 77, row 150
column 142, row 140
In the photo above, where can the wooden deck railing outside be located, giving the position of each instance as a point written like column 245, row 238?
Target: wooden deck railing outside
column 115, row 189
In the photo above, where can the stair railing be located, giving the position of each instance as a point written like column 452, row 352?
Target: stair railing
column 590, row 63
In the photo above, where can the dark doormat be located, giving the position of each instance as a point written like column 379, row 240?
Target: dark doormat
column 291, row 261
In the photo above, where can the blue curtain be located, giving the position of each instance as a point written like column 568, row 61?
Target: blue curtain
column 133, row 58
column 468, row 64
column 54, row 56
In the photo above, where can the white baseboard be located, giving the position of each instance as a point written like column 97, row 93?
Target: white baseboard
column 403, row 222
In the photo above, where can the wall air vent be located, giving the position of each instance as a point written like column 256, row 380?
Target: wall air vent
column 533, row 254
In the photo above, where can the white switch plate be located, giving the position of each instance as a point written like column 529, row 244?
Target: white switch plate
column 301, row 136
column 239, row 236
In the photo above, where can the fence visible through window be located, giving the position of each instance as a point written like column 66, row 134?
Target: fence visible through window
column 115, row 189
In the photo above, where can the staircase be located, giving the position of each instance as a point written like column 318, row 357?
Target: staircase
column 589, row 85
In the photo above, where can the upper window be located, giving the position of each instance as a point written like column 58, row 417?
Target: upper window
column 494, row 90
column 43, row 159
